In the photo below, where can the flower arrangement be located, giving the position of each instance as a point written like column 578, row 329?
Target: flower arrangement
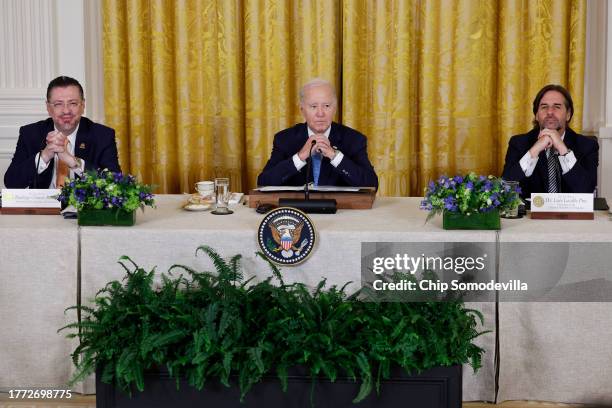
column 104, row 189
column 469, row 194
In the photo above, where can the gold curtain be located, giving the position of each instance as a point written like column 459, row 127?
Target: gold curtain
column 197, row 89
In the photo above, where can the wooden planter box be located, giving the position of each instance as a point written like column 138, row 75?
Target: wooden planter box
column 436, row 388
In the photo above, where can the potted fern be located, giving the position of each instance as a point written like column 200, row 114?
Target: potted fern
column 266, row 344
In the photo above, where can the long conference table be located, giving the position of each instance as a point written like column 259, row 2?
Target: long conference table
column 550, row 351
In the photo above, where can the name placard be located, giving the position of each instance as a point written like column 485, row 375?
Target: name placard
column 30, row 198
column 562, row 206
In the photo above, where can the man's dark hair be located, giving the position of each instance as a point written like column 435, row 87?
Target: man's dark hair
column 63, row 82
column 569, row 104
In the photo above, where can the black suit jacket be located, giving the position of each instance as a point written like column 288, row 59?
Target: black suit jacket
column 582, row 178
column 95, row 144
column 354, row 170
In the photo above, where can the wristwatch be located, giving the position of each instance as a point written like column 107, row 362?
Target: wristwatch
column 79, row 163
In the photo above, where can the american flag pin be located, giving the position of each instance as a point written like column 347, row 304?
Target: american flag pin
column 82, row 146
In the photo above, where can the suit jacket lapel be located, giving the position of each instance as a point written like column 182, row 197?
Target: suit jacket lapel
column 82, row 145
column 299, row 138
column 570, row 139
column 44, row 179
column 542, row 165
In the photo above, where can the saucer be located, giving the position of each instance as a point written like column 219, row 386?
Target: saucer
column 197, row 199
column 196, row 207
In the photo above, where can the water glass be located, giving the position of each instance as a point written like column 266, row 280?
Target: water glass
column 511, row 212
column 223, row 193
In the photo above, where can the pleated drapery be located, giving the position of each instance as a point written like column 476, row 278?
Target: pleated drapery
column 197, row 89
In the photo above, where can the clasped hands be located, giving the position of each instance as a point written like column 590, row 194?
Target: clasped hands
column 321, row 146
column 546, row 139
column 56, row 144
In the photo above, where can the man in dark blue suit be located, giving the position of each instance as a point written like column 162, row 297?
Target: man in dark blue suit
column 339, row 153
column 66, row 144
column 552, row 157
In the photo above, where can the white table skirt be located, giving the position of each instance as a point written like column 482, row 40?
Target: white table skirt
column 549, row 351
column 38, row 280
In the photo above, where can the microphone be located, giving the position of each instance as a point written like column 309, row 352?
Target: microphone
column 42, row 147
column 308, row 166
column 307, row 205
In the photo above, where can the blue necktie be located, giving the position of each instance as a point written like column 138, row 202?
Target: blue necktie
column 316, row 168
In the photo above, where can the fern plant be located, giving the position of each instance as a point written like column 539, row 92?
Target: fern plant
column 215, row 326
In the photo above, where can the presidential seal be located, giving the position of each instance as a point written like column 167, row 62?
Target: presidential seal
column 286, row 236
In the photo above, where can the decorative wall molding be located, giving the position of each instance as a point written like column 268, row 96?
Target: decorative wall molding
column 27, row 43
column 39, row 40
column 605, row 132
column 594, row 108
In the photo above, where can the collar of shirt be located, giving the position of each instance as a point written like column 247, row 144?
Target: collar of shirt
column 326, row 133
column 72, row 138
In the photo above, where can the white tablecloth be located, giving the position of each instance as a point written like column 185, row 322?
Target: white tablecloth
column 558, row 351
column 38, row 280
column 548, row 351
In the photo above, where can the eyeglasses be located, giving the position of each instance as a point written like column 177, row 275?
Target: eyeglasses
column 71, row 105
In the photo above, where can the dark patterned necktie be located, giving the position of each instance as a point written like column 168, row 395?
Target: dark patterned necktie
column 553, row 171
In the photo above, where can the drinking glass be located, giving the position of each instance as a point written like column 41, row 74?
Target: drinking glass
column 222, row 191
column 512, row 212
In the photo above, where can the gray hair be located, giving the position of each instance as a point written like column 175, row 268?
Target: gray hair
column 316, row 82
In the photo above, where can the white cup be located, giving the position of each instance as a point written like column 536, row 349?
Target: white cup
column 205, row 188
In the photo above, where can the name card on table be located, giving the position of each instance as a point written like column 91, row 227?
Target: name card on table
column 30, row 201
column 562, row 206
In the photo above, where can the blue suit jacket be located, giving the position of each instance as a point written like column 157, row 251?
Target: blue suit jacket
column 582, row 178
column 95, row 144
column 354, row 170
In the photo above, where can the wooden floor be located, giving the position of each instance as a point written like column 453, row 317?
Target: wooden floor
column 90, row 402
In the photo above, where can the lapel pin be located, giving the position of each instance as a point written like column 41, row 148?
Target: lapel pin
column 82, row 146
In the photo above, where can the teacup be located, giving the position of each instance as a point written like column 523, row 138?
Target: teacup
column 205, row 188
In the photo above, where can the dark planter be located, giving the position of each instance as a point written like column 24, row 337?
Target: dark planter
column 436, row 388
column 474, row 221
column 108, row 216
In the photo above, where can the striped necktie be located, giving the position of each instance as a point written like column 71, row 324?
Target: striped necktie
column 553, row 171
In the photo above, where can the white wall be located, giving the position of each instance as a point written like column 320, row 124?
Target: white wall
column 40, row 40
